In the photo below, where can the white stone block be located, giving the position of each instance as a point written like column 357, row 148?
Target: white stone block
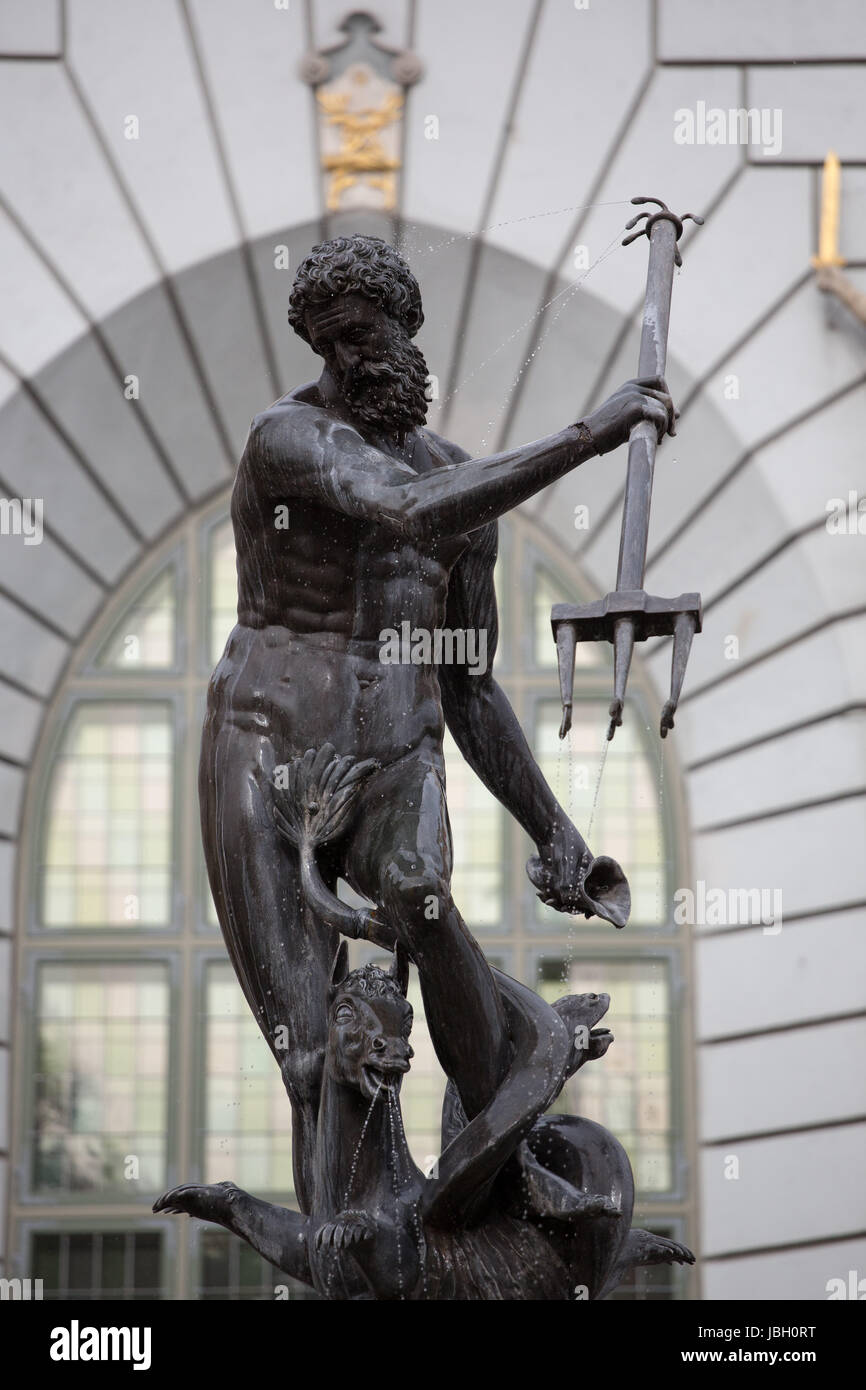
column 823, row 108
column 797, row 1275
column 30, row 27
column 795, row 1188
column 739, row 30
column 750, row 980
column 780, row 1081
column 135, row 62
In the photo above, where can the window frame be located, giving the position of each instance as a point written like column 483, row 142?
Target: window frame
column 27, row 1195
column 44, row 765
column 677, row 1194
column 204, row 959
column 108, row 1225
column 89, row 669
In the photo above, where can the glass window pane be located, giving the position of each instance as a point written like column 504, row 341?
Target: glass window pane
column 81, row 1262
column 114, row 1259
column 629, row 1089
column 248, row 1125
column 145, row 637
column 627, row 823
column 423, row 1089
column 146, row 1261
column 546, row 591
column 95, row 1129
column 476, row 828
column 107, row 856
column 45, row 1260
column 223, row 606
column 229, row 1269
column 100, row 1265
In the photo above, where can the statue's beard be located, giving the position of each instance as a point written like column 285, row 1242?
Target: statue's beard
column 390, row 396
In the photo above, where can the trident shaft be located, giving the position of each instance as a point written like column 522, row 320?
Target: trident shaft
column 629, row 615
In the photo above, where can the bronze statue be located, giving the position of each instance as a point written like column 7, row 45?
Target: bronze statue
column 522, row 1205
column 321, row 759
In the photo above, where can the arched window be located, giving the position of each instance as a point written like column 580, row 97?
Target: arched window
column 147, row 1067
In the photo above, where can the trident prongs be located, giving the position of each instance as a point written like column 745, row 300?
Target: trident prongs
column 623, row 646
column 664, row 214
column 685, row 627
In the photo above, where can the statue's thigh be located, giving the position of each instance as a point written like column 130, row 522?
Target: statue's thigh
column 280, row 954
column 401, row 825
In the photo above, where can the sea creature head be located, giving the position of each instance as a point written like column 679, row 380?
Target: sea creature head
column 369, row 1022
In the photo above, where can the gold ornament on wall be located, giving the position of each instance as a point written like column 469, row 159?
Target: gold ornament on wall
column 367, row 151
column 360, row 88
column 827, row 263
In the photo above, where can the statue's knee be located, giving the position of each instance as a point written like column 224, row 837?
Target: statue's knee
column 415, row 899
column 302, row 1070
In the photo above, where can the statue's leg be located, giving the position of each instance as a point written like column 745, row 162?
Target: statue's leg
column 399, row 854
column 282, row 959
column 276, row 1233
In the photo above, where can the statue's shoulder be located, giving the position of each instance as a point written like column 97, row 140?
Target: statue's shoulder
column 291, row 415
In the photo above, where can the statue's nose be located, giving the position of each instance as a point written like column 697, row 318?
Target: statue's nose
column 398, row 1054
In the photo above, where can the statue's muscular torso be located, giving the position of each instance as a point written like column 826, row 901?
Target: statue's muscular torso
column 316, row 587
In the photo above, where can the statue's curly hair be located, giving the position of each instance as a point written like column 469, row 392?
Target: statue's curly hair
column 356, row 265
column 373, row 983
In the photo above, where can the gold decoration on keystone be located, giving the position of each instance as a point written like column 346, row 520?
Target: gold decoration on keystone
column 368, row 150
column 360, row 86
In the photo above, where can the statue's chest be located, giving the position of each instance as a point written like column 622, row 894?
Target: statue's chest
column 384, row 559
column 419, row 564
column 441, row 553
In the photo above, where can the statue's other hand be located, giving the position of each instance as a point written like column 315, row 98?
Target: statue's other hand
column 348, row 1228
column 558, row 870
column 644, row 398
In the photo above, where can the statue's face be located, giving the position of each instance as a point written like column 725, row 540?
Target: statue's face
column 379, row 371
column 348, row 330
column 368, row 1045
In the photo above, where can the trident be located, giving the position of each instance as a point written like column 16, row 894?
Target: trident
column 629, row 615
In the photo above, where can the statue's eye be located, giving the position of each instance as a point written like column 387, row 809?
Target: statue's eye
column 344, row 1014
